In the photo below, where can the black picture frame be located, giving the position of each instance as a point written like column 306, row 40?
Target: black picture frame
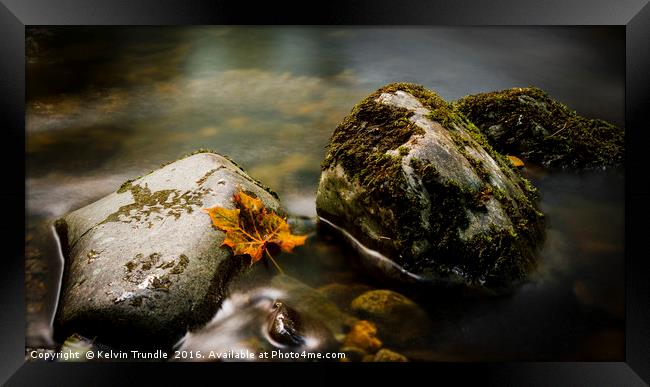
column 632, row 15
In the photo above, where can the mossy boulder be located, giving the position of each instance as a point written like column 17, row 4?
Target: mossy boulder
column 144, row 263
column 416, row 188
column 529, row 123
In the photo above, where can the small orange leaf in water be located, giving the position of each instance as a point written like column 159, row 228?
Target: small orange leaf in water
column 516, row 161
column 253, row 230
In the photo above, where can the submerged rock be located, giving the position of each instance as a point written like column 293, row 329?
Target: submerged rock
column 144, row 263
column 363, row 336
column 421, row 195
column 386, row 355
column 400, row 320
column 527, row 122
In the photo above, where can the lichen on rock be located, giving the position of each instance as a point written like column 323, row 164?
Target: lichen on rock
column 529, row 123
column 410, row 177
column 157, row 205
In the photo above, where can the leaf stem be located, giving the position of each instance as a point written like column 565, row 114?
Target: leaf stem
column 275, row 263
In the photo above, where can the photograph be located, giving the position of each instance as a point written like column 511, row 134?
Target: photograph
column 325, row 193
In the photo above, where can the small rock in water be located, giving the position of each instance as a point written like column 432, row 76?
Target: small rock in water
column 399, row 319
column 386, row 355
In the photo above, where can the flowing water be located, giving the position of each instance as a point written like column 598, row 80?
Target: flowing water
column 107, row 104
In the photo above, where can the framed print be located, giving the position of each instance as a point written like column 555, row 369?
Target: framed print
column 448, row 187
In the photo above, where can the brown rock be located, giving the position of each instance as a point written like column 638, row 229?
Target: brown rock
column 386, row 355
column 398, row 318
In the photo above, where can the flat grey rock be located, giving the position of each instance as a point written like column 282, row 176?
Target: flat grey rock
column 144, row 264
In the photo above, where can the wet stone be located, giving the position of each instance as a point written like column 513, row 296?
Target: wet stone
column 144, row 264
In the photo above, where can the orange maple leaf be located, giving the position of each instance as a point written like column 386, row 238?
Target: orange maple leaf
column 253, row 230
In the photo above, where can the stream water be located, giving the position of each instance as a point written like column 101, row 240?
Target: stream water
column 107, row 104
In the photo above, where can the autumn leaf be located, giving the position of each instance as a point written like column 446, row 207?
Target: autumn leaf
column 516, row 161
column 253, row 230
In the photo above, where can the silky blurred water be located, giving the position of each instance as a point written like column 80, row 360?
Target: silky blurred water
column 107, row 104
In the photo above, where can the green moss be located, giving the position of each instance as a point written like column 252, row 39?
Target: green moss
column 148, row 205
column 126, row 186
column 161, row 284
column 166, row 265
column 527, row 220
column 359, row 144
column 138, row 268
column 206, row 176
column 527, row 122
column 448, row 203
column 205, row 150
column 130, row 266
column 370, row 130
column 502, row 161
column 445, row 115
column 181, row 265
column 496, row 257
